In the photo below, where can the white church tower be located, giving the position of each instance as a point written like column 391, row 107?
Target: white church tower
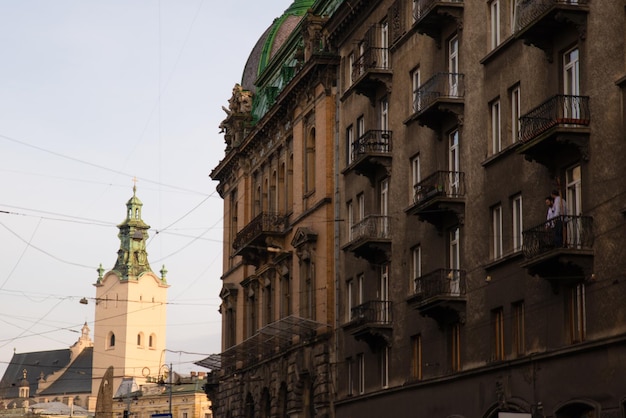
column 130, row 318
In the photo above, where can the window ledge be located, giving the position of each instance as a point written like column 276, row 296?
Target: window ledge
column 506, row 151
column 497, row 50
column 504, row 259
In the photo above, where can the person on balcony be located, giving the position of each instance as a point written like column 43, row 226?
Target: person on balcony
column 560, row 212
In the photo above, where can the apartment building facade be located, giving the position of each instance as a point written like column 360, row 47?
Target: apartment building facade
column 444, row 284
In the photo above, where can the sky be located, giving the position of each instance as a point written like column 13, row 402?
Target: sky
column 93, row 94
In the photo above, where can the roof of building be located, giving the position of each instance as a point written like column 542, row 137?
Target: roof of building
column 271, row 40
column 57, row 408
column 77, row 377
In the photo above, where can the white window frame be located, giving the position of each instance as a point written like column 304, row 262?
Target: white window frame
column 384, row 367
column 416, row 177
column 496, row 127
column 415, row 81
column 361, row 366
column 350, row 142
column 349, row 298
column 496, row 229
column 416, row 268
column 351, row 62
column 518, row 223
column 494, row 14
column 515, row 113
column 350, row 219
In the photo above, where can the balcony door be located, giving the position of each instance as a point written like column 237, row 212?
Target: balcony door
column 454, row 262
column 453, row 66
column 384, row 208
column 453, row 164
column 384, row 45
column 574, row 205
column 571, row 83
column 384, row 294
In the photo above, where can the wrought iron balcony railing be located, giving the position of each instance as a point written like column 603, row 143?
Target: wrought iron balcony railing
column 439, row 86
column 441, row 183
column 373, row 58
column 423, row 7
column 571, row 232
column 561, row 109
column 528, row 11
column 372, row 142
column 372, row 227
column 440, row 283
column 264, row 223
column 374, row 312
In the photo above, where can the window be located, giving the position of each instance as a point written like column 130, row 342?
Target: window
column 350, row 219
column 111, row 340
column 230, row 331
column 454, row 344
column 496, row 131
column 383, row 227
column 359, row 289
column 494, row 8
column 454, row 262
column 454, row 163
column 497, row 319
column 515, row 113
column 384, row 367
column 360, row 127
column 415, row 10
column 349, row 299
column 384, row 314
column 518, row 226
column 233, row 228
column 415, row 177
column 416, row 269
column 140, row 340
column 251, row 308
column 453, row 66
column 350, row 68
column 416, row 357
column 152, row 341
column 517, row 327
column 577, row 313
column 309, row 161
column 268, row 305
column 496, row 232
column 361, row 372
column 415, row 81
column 350, row 144
column 384, row 114
column 384, row 44
column 307, row 288
column 512, row 14
column 285, row 292
column 349, row 376
column 360, row 207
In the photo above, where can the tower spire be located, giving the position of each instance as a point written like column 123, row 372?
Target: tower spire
column 132, row 258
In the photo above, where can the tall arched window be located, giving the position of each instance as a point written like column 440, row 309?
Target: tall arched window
column 140, row 340
column 151, row 341
column 290, row 184
column 309, row 162
column 111, row 340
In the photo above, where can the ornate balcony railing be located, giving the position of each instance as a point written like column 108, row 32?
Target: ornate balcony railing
column 571, row 232
column 264, row 223
column 558, row 110
column 372, row 227
column 373, row 58
column 423, row 7
column 441, row 85
column 372, row 142
column 441, row 183
column 374, row 312
column 440, row 283
column 528, row 11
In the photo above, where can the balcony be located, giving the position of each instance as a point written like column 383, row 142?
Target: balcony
column 439, row 197
column 251, row 242
column 560, row 249
column 371, row 152
column 440, row 295
column 371, row 322
column 371, row 71
column 370, row 239
column 438, row 99
column 538, row 21
column 553, row 128
column 431, row 15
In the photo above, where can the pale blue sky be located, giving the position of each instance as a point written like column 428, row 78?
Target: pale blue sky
column 93, row 93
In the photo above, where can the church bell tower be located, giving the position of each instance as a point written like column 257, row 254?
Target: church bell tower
column 130, row 317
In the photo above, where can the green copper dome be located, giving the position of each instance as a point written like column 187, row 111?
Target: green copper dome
column 271, row 41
